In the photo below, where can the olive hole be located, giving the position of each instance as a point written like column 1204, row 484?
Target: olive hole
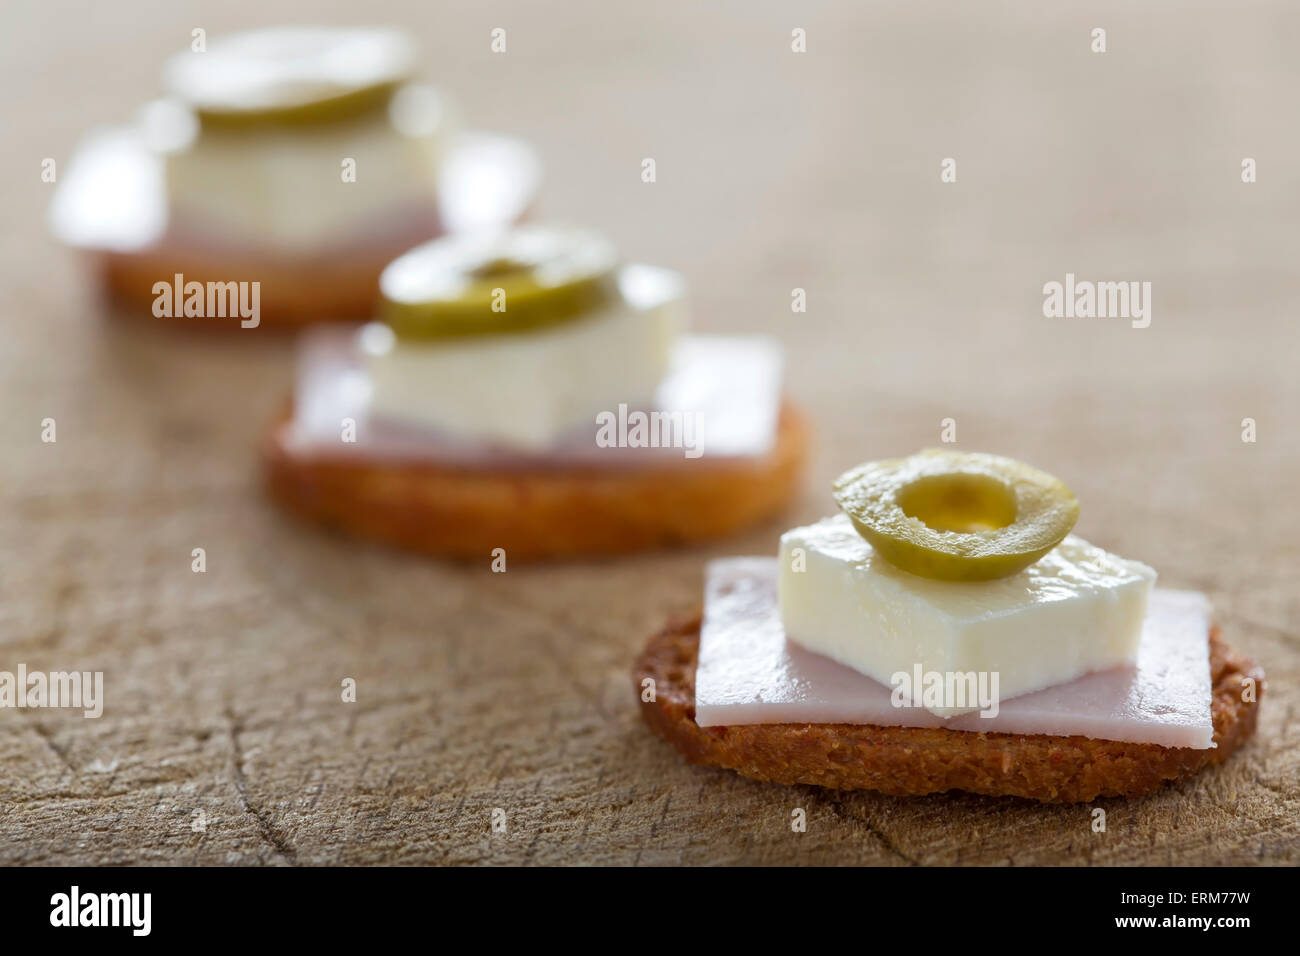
column 959, row 502
column 498, row 268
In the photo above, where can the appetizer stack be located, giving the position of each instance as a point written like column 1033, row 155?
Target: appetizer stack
column 946, row 631
column 299, row 158
column 524, row 390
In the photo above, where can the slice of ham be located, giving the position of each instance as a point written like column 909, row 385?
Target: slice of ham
column 732, row 382
column 749, row 674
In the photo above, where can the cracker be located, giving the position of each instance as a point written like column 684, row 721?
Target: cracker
column 910, row 761
column 537, row 512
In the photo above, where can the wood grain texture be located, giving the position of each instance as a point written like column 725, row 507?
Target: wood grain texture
column 775, row 170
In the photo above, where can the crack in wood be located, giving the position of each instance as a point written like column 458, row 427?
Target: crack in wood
column 61, row 752
column 265, row 827
column 835, row 801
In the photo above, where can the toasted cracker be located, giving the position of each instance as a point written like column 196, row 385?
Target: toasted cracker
column 341, row 285
column 910, row 761
column 538, row 512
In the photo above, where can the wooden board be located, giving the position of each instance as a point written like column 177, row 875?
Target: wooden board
column 224, row 737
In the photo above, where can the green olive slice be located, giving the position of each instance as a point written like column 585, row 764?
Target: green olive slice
column 525, row 278
column 291, row 76
column 957, row 516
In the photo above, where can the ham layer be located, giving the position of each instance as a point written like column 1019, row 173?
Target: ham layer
column 749, row 674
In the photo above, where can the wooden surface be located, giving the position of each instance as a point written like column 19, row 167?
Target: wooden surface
column 775, row 170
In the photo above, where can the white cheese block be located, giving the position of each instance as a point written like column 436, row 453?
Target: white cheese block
column 285, row 188
column 1076, row 610
column 113, row 194
column 525, row 390
column 729, row 385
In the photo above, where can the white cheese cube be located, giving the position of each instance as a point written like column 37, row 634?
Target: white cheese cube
column 1078, row 609
column 527, row 390
column 283, row 188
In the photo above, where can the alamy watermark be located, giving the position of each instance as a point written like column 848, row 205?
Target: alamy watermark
column 1084, row 299
column 638, row 429
column 76, row 689
column 208, row 300
column 132, row 911
column 947, row 690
